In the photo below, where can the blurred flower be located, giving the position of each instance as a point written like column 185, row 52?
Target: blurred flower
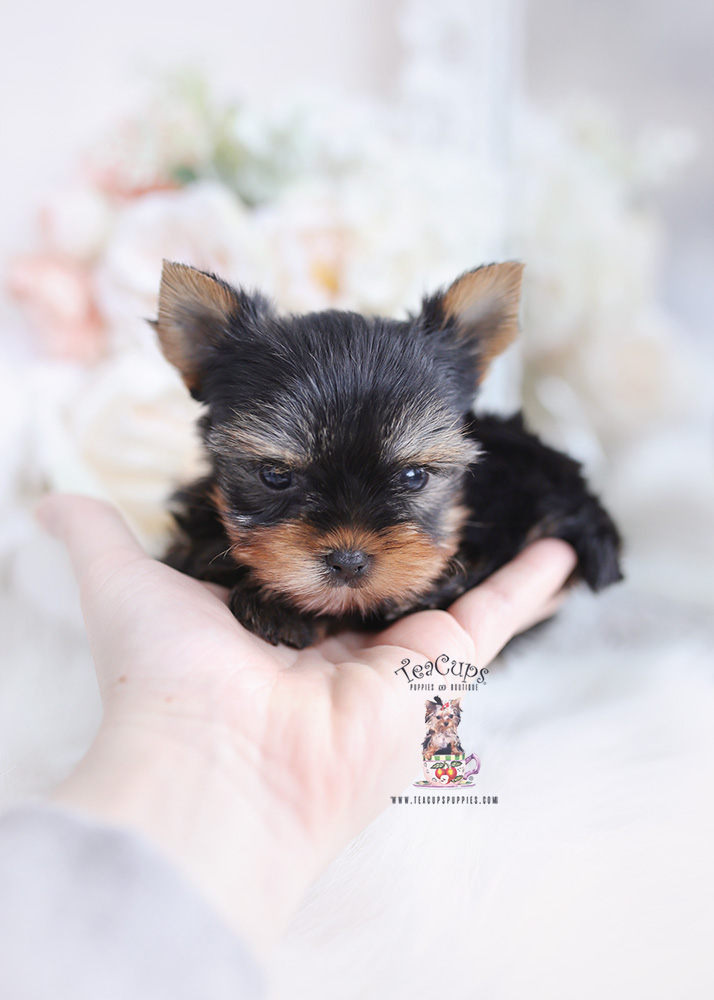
column 600, row 360
column 204, row 224
column 59, row 296
column 332, row 205
column 306, row 246
column 185, row 135
column 122, row 431
column 76, row 223
column 142, row 407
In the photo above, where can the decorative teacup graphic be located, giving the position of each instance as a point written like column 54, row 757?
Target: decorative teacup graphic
column 449, row 769
column 444, row 758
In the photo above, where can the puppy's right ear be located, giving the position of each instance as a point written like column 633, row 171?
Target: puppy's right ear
column 430, row 710
column 479, row 311
column 198, row 314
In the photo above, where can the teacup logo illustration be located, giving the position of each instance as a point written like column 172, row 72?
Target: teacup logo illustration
column 446, row 771
column 450, row 769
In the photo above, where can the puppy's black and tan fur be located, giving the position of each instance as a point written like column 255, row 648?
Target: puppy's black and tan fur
column 350, row 481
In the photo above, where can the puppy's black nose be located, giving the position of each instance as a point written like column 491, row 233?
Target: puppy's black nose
column 347, row 564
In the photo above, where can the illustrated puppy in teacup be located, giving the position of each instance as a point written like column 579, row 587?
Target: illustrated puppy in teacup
column 442, row 722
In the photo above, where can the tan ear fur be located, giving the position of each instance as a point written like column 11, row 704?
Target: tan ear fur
column 483, row 306
column 194, row 312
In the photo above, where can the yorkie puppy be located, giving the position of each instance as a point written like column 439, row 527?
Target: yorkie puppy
column 442, row 723
column 350, row 481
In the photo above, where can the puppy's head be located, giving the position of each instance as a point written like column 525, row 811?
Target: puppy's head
column 443, row 718
column 337, row 440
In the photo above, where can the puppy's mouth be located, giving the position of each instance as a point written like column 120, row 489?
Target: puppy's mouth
column 344, row 571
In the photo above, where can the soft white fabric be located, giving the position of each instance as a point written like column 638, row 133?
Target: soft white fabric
column 92, row 911
column 593, row 876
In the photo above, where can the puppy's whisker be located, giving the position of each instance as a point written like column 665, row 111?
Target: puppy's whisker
column 457, row 565
column 220, row 555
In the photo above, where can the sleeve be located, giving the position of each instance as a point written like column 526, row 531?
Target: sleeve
column 89, row 911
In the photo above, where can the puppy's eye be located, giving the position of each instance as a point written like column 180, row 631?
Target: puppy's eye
column 276, row 479
column 414, row 478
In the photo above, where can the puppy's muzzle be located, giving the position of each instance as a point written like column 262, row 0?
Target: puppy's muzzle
column 348, row 566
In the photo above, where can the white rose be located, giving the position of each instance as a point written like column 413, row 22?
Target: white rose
column 77, row 222
column 204, row 225
column 123, row 431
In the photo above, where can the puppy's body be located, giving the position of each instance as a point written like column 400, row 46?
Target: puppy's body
column 351, row 482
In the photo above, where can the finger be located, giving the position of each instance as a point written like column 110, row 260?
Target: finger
column 514, row 595
column 343, row 646
column 222, row 593
column 427, row 633
column 546, row 612
column 92, row 530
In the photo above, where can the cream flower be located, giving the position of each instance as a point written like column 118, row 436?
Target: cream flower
column 123, row 431
column 203, row 224
column 77, row 223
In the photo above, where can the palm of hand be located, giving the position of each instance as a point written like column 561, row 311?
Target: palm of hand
column 330, row 730
column 312, row 726
column 251, row 766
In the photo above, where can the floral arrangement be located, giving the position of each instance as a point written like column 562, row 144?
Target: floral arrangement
column 324, row 206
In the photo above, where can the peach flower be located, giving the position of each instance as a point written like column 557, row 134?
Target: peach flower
column 58, row 295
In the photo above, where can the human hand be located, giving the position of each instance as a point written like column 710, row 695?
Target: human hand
column 250, row 765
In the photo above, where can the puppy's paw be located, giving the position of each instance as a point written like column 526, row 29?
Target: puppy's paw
column 271, row 620
column 591, row 532
column 598, row 551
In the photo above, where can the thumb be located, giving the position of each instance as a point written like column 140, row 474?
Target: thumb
column 516, row 595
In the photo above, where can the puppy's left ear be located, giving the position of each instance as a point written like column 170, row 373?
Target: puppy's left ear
column 480, row 310
column 198, row 314
column 430, row 710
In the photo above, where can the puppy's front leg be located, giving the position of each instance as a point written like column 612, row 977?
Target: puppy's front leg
column 521, row 490
column 270, row 618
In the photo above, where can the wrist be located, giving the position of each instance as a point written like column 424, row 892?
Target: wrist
column 228, row 834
